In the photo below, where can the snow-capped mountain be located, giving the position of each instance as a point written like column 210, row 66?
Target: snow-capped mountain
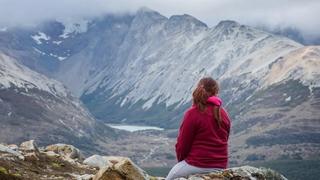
column 158, row 65
column 14, row 75
column 142, row 68
column 279, row 118
column 34, row 106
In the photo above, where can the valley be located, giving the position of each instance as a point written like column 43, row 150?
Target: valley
column 65, row 82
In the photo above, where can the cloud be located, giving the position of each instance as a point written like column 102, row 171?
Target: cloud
column 300, row 14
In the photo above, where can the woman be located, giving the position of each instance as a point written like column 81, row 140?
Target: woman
column 202, row 143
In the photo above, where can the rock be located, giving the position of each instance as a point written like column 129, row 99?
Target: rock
column 120, row 168
column 96, row 161
column 48, row 165
column 111, row 167
column 67, row 152
column 51, row 154
column 30, row 149
column 6, row 149
column 13, row 147
column 84, row 177
column 29, row 146
column 239, row 173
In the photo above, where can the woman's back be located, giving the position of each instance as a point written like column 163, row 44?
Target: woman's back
column 202, row 143
column 209, row 147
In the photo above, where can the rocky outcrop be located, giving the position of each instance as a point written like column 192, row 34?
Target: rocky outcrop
column 67, row 152
column 239, row 173
column 30, row 149
column 35, row 106
column 120, row 168
column 6, row 150
column 96, row 161
column 62, row 161
column 28, row 161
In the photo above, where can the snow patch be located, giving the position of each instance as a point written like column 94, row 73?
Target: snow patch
column 16, row 75
column 288, row 99
column 62, row 122
column 57, row 42
column 38, row 51
column 149, row 103
column 123, row 102
column 60, row 58
column 40, row 36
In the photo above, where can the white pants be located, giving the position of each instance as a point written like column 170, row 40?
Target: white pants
column 183, row 169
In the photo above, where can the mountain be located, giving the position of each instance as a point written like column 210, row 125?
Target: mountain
column 34, row 106
column 141, row 69
column 163, row 61
column 280, row 118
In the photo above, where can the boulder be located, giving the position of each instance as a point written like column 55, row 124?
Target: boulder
column 29, row 146
column 8, row 150
column 97, row 161
column 13, row 147
column 120, row 168
column 30, row 149
column 84, row 177
column 238, row 173
column 67, row 152
column 51, row 154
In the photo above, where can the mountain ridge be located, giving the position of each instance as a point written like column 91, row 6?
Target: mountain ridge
column 141, row 69
column 33, row 105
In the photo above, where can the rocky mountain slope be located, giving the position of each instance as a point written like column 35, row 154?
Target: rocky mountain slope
column 62, row 161
column 280, row 119
column 34, row 106
column 142, row 68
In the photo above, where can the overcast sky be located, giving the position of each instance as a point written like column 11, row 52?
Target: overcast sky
column 302, row 14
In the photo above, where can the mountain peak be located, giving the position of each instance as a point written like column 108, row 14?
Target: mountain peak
column 147, row 13
column 186, row 18
column 226, row 24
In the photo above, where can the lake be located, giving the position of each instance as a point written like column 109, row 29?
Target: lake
column 133, row 128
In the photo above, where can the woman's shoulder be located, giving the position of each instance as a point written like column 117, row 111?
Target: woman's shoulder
column 192, row 109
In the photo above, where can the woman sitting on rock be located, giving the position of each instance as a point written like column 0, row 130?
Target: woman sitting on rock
column 202, row 143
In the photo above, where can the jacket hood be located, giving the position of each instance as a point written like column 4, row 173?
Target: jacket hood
column 214, row 100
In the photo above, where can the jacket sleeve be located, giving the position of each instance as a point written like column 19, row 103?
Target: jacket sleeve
column 228, row 122
column 186, row 135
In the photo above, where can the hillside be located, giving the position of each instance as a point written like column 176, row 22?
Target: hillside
column 141, row 69
column 34, row 106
